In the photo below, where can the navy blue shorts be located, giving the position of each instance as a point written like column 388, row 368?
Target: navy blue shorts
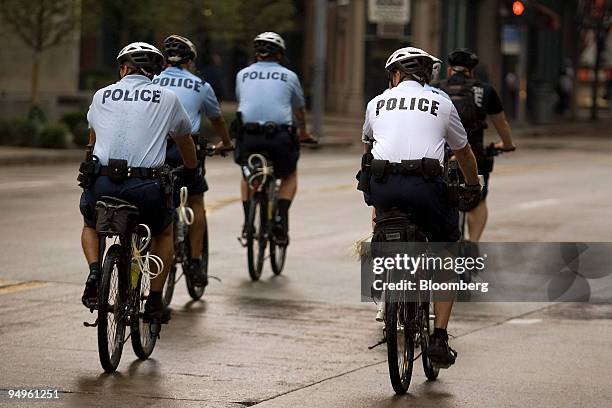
column 173, row 158
column 146, row 194
column 426, row 200
column 282, row 148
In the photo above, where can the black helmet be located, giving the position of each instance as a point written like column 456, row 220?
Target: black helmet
column 145, row 57
column 463, row 58
column 178, row 50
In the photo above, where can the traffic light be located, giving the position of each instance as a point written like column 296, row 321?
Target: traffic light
column 518, row 7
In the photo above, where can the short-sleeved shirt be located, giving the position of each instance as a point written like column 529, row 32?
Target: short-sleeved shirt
column 268, row 92
column 437, row 91
column 196, row 95
column 485, row 98
column 410, row 122
column 132, row 120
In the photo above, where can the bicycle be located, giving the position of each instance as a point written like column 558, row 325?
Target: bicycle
column 263, row 218
column 467, row 247
column 125, row 282
column 408, row 319
column 183, row 218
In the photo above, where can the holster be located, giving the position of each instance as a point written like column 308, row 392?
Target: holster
column 165, row 182
column 453, row 181
column 88, row 169
column 365, row 173
column 237, row 127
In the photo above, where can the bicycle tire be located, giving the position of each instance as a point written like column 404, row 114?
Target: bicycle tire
column 197, row 291
column 256, row 244
column 169, row 285
column 431, row 372
column 111, row 292
column 140, row 333
column 278, row 253
column 400, row 362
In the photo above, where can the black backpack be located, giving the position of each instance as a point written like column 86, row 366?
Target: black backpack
column 462, row 96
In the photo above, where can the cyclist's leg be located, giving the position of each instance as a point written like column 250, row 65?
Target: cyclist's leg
column 285, row 153
column 196, row 237
column 477, row 218
column 89, row 238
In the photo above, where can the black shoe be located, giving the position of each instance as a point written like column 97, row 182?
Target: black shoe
column 90, row 294
column 439, row 352
column 153, row 315
column 166, row 315
column 281, row 236
column 197, row 275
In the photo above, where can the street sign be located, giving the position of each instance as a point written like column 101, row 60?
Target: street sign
column 511, row 40
column 389, row 11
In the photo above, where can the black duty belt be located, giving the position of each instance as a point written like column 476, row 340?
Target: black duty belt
column 132, row 172
column 267, row 128
column 426, row 168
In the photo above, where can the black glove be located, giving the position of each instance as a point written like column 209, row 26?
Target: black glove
column 86, row 174
column 469, row 197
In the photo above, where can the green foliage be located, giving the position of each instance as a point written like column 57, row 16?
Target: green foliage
column 71, row 119
column 80, row 134
column 53, row 135
column 18, row 132
column 77, row 124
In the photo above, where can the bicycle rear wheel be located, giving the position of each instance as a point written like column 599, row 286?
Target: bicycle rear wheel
column 400, row 345
column 197, row 291
column 142, row 341
column 431, row 372
column 256, row 235
column 168, row 291
column 111, row 309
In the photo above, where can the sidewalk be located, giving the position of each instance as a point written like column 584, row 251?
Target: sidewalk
column 344, row 132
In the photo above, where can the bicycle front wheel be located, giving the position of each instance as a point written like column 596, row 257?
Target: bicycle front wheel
column 143, row 342
column 278, row 254
column 400, row 345
column 112, row 309
column 256, row 235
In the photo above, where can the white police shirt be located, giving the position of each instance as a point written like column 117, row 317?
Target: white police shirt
column 409, row 122
column 196, row 95
column 268, row 92
column 132, row 119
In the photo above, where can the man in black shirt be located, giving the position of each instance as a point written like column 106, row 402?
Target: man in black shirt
column 475, row 101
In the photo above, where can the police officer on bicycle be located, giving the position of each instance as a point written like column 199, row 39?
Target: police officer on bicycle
column 130, row 122
column 197, row 97
column 405, row 131
column 475, row 100
column 269, row 97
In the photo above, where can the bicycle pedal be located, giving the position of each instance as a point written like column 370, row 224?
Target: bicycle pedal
column 94, row 324
column 242, row 242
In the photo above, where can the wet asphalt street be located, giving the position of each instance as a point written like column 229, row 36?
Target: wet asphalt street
column 301, row 339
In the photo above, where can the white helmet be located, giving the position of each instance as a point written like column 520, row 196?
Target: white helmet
column 413, row 61
column 179, row 49
column 143, row 56
column 272, row 38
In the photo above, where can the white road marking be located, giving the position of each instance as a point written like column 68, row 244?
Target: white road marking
column 538, row 203
column 524, row 321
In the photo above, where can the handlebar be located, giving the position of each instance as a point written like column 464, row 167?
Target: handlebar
column 492, row 150
column 211, row 150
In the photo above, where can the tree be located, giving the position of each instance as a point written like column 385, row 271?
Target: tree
column 40, row 24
